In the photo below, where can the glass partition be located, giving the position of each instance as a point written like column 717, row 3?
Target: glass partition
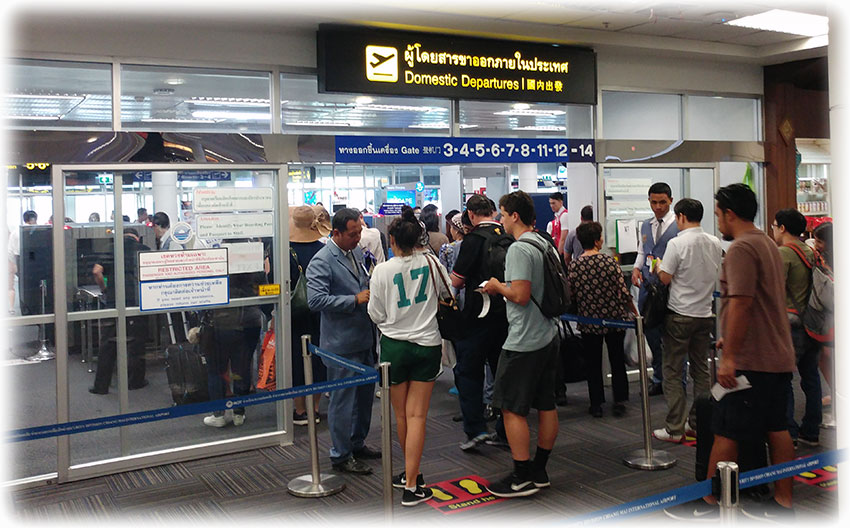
column 632, row 115
column 484, row 118
column 722, row 118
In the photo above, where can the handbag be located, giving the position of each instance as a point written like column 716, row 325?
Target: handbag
column 298, row 296
column 655, row 305
column 449, row 317
column 266, row 377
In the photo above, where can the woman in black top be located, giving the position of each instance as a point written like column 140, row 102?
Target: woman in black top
column 599, row 290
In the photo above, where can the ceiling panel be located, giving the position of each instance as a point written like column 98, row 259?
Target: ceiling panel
column 548, row 14
column 610, row 21
column 763, row 38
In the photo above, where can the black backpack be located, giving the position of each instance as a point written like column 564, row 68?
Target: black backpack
column 556, row 289
column 494, row 251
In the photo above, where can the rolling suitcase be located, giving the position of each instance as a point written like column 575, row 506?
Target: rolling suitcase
column 186, row 370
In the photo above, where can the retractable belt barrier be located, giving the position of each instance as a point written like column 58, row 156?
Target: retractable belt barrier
column 365, row 375
column 607, row 323
column 702, row 489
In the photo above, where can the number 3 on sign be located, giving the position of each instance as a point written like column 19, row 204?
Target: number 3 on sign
column 421, row 296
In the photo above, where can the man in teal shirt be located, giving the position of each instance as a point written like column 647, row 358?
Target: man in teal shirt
column 528, row 363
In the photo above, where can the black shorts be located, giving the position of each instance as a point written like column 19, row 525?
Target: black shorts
column 526, row 379
column 750, row 413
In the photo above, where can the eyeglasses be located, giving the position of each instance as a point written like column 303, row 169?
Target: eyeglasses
column 774, row 225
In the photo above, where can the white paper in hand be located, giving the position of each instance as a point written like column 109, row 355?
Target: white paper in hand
column 719, row 391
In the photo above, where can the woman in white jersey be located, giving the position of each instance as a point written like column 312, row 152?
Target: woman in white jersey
column 403, row 303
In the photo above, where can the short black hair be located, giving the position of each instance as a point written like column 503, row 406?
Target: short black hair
column 131, row 231
column 141, row 210
column 340, row 220
column 556, row 196
column 30, row 215
column 480, row 205
column 405, row 230
column 823, row 233
column 519, row 202
column 660, row 188
column 692, row 209
column 161, row 219
column 430, row 219
column 588, row 234
column 739, row 199
column 451, row 214
column 587, row 213
column 429, row 207
column 792, row 219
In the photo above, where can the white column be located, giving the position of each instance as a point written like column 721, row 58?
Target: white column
column 581, row 191
column 165, row 196
column 528, row 177
column 451, row 188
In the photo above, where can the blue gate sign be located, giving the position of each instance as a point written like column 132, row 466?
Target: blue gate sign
column 402, row 149
column 391, row 209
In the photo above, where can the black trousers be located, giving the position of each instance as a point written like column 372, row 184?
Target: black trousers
column 615, row 340
column 137, row 332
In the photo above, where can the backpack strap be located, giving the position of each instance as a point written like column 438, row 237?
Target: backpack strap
column 543, row 254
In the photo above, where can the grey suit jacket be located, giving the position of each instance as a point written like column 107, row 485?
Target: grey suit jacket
column 331, row 288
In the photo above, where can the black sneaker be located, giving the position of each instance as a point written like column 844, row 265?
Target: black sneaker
column 400, row 481
column 770, row 511
column 696, row 510
column 540, row 478
column 513, row 486
column 412, row 498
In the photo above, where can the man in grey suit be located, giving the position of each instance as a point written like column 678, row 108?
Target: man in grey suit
column 338, row 287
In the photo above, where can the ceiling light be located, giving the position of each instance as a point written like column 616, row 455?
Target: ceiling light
column 543, row 128
column 363, row 100
column 35, row 117
column 174, row 120
column 521, row 106
column 325, row 123
column 175, row 81
column 91, row 139
column 395, row 108
column 163, row 91
column 468, row 126
column 228, row 101
column 223, row 114
column 430, row 125
column 785, row 22
column 540, row 113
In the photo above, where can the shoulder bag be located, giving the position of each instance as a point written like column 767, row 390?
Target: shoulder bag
column 449, row 318
column 298, row 296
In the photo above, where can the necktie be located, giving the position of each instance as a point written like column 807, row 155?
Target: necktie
column 658, row 231
column 353, row 262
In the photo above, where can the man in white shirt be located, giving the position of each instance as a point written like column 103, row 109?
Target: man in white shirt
column 559, row 227
column 690, row 267
column 370, row 240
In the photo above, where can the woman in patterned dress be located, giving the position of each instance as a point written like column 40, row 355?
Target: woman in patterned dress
column 600, row 291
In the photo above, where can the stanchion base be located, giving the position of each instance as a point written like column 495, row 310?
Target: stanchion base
column 328, row 485
column 660, row 460
column 42, row 355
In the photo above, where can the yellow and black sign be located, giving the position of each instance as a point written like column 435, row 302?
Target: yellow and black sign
column 452, row 496
column 368, row 60
column 269, row 289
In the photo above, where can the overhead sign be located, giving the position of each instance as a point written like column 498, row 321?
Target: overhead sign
column 229, row 199
column 193, row 263
column 246, row 225
column 413, row 149
column 185, row 293
column 370, row 60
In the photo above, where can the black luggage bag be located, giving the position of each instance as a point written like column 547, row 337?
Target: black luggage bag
column 186, row 370
column 572, row 360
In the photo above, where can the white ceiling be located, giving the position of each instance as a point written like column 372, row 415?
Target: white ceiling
column 676, row 27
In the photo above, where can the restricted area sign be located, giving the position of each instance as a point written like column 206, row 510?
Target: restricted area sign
column 192, row 263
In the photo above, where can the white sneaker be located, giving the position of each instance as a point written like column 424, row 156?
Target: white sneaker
column 215, row 421
column 238, row 419
column 663, row 434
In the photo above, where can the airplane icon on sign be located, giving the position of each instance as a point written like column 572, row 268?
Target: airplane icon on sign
column 380, row 66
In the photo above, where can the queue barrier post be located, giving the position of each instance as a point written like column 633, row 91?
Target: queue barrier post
column 386, row 443
column 728, row 472
column 646, row 458
column 829, row 419
column 315, row 484
column 43, row 353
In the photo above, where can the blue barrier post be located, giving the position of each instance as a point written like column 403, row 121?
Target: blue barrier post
column 646, row 458
column 315, row 484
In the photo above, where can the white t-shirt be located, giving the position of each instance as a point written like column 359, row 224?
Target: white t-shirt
column 693, row 259
column 370, row 238
column 403, row 298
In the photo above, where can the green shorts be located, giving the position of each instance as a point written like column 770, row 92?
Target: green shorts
column 411, row 362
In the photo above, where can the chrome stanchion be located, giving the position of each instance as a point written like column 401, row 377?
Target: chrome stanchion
column 728, row 492
column 829, row 419
column 646, row 458
column 386, row 443
column 315, row 484
column 43, row 353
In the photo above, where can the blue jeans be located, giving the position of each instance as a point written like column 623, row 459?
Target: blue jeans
column 350, row 409
column 233, row 347
column 807, row 351
column 653, row 337
column 483, row 346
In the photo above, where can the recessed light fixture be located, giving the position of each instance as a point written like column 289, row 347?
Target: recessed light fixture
column 325, row 123
column 429, row 125
column 363, row 100
column 543, row 128
column 34, row 117
column 91, row 139
column 783, row 21
column 174, row 120
column 539, row 113
column 395, row 108
column 175, row 81
column 228, row 101
column 223, row 114
column 521, row 106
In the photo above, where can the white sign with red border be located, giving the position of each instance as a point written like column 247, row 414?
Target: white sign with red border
column 187, row 264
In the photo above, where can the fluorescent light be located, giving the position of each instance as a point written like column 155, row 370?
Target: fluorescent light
column 225, row 101
column 543, row 113
column 175, row 81
column 174, row 120
column 325, row 123
column 223, row 114
column 35, row 117
column 521, row 106
column 363, row 100
column 785, row 22
column 543, row 128
column 395, row 108
column 430, row 125
column 468, row 126
column 41, row 96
